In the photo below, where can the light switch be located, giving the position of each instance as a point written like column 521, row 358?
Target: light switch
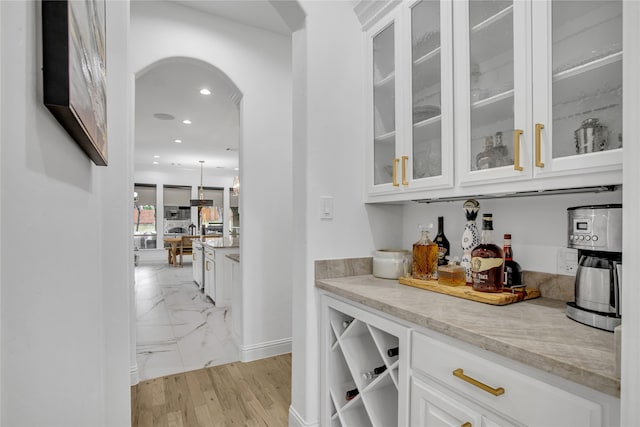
column 326, row 207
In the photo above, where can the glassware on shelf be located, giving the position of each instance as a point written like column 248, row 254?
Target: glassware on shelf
column 591, row 136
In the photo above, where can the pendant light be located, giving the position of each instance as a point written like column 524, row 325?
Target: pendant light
column 201, row 201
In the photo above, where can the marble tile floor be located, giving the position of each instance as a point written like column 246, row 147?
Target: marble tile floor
column 178, row 329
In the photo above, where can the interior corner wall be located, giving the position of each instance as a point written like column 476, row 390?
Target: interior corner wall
column 329, row 93
column 258, row 62
column 64, row 313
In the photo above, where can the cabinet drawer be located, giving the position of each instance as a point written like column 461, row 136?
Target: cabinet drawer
column 524, row 398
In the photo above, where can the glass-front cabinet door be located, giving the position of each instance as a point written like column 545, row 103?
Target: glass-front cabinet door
column 577, row 82
column 431, row 88
column 493, row 91
column 382, row 130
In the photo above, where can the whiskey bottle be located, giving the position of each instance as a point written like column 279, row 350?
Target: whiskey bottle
column 487, row 261
column 369, row 375
column 425, row 256
column 512, row 270
column 442, row 242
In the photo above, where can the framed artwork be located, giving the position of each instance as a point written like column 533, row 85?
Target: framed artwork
column 74, row 71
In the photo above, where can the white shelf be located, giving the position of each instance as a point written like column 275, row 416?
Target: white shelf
column 589, row 66
column 503, row 14
column 388, row 137
column 424, row 58
column 359, row 348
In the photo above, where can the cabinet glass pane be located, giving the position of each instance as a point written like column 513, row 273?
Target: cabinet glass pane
column 491, row 82
column 587, row 76
column 427, row 123
column 384, row 110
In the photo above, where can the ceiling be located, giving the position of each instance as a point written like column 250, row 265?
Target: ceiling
column 172, row 88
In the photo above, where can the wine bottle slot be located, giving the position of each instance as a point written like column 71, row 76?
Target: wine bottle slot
column 346, row 323
column 369, row 375
column 392, row 352
column 350, row 394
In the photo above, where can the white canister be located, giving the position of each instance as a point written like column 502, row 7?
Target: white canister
column 391, row 263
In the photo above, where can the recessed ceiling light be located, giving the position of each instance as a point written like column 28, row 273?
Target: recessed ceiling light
column 156, row 157
column 163, row 116
column 155, row 163
column 205, row 91
column 186, row 122
column 177, row 141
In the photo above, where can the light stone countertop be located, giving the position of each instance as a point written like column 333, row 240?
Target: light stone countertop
column 223, row 242
column 536, row 332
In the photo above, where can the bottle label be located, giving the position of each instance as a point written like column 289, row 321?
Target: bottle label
column 442, row 252
column 479, row 264
column 487, row 271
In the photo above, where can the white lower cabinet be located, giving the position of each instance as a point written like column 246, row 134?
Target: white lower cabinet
column 436, row 380
column 210, row 273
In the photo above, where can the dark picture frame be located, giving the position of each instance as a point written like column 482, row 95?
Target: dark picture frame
column 74, row 71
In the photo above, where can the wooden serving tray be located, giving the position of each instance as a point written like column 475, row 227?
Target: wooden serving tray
column 467, row 292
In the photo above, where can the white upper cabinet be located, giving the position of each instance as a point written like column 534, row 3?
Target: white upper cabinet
column 476, row 97
column 410, row 130
column 539, row 92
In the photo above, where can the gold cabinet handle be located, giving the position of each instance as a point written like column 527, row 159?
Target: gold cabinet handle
column 539, row 127
column 395, row 172
column 495, row 391
column 467, row 424
column 517, row 133
column 206, row 265
column 404, row 170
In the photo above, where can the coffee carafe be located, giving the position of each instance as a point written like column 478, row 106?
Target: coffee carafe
column 596, row 231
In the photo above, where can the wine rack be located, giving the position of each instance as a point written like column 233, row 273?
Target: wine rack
column 357, row 342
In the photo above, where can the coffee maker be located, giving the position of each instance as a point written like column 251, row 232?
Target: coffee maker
column 596, row 232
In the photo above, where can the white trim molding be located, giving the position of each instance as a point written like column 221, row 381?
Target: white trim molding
column 261, row 350
column 370, row 11
column 134, row 374
column 295, row 420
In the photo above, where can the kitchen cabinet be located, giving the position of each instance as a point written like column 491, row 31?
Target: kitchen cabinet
column 535, row 94
column 529, row 75
column 235, row 278
column 356, row 343
column 198, row 262
column 437, row 380
column 210, row 273
column 410, row 103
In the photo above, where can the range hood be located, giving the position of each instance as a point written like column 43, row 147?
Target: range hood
column 596, row 189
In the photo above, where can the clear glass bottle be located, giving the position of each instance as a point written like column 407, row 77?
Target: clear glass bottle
column 512, row 270
column 425, row 256
column 452, row 274
column 487, row 260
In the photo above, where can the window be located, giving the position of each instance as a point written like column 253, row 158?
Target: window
column 144, row 216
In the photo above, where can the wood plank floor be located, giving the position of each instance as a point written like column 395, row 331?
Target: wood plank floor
column 237, row 394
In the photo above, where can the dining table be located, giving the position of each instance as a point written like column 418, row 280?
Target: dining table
column 172, row 252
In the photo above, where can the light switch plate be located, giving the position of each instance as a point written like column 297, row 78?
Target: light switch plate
column 326, row 207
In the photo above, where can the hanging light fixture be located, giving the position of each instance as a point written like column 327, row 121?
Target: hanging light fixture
column 201, row 201
column 236, row 185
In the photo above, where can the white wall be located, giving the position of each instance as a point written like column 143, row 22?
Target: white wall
column 329, row 116
column 538, row 224
column 259, row 64
column 65, row 264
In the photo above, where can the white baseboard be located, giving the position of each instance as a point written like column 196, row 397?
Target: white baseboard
column 133, row 374
column 261, row 350
column 295, row 420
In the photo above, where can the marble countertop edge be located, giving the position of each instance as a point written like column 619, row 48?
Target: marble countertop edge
column 405, row 302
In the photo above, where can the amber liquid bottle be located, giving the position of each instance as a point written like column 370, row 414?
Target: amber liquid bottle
column 512, row 270
column 487, row 260
column 425, row 257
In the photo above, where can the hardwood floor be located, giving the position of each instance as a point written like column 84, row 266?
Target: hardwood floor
column 237, row 394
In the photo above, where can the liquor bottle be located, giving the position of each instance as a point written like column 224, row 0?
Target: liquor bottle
column 350, row 394
column 442, row 242
column 346, row 323
column 487, row 261
column 369, row 375
column 470, row 238
column 425, row 256
column 512, row 270
column 392, row 352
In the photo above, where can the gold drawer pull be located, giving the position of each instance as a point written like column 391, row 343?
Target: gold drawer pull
column 467, row 424
column 207, row 265
column 495, row 391
column 395, row 172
